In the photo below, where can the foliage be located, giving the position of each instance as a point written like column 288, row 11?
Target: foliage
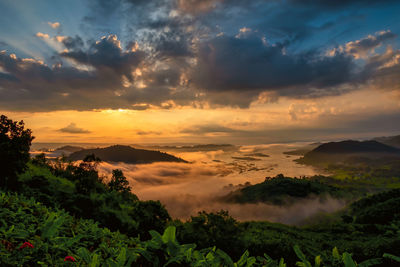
column 119, row 182
column 77, row 203
column 15, row 142
column 81, row 191
column 33, row 235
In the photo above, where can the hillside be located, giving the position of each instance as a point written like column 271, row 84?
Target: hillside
column 54, row 213
column 126, row 154
column 69, row 148
column 351, row 146
column 349, row 152
column 302, row 150
column 390, row 140
column 279, row 190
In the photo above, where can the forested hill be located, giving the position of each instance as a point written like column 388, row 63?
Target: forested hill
column 126, row 154
column 350, row 146
column 280, row 190
column 349, row 152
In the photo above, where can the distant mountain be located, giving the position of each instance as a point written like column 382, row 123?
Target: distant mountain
column 351, row 146
column 302, row 150
column 389, row 140
column 69, row 149
column 126, row 154
column 349, row 152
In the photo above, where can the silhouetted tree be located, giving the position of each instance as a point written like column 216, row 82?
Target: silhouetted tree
column 15, row 142
column 119, row 182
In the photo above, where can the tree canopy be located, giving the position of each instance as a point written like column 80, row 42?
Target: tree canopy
column 15, row 142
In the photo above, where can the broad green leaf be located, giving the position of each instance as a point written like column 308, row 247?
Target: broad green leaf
column 225, row 257
column 169, row 234
column 282, row 263
column 348, row 261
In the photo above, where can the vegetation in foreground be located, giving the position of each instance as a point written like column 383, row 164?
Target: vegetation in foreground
column 57, row 213
column 34, row 235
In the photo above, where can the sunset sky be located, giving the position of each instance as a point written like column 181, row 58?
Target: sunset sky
column 201, row 71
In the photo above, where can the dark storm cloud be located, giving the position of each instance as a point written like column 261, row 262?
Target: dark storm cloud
column 107, row 53
column 235, row 64
column 103, row 76
column 202, row 53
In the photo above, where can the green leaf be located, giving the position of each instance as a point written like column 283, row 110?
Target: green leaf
column 302, row 257
column 335, row 253
column 348, row 261
column 225, row 257
column 95, row 261
column 121, row 258
column 169, row 234
column 243, row 259
column 282, row 263
column 251, row 261
column 318, row 261
column 52, row 225
column 84, row 254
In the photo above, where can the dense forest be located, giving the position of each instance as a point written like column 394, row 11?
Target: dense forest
column 57, row 212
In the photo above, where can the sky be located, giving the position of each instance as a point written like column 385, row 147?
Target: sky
column 201, row 71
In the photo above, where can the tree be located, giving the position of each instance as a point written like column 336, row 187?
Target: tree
column 15, row 142
column 119, row 182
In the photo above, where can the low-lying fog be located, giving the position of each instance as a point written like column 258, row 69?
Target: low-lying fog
column 187, row 188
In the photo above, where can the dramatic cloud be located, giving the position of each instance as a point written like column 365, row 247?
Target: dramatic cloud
column 107, row 55
column 233, row 64
column 361, row 48
column 73, row 129
column 203, row 54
